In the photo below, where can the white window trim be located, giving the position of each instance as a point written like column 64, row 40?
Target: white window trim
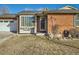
column 75, row 20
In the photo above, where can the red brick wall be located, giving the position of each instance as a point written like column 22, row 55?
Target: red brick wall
column 64, row 21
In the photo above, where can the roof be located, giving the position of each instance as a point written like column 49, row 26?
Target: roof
column 8, row 16
column 47, row 12
column 68, row 8
column 26, row 12
column 64, row 11
column 42, row 13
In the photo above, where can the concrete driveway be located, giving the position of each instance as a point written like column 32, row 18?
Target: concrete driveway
column 4, row 35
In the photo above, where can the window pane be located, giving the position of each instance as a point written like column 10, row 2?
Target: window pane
column 1, row 21
column 6, row 21
column 11, row 21
column 27, row 21
column 76, row 20
column 43, row 24
column 77, row 17
column 30, row 21
column 77, row 23
column 22, row 21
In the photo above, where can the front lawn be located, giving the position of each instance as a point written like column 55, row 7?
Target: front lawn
column 68, row 42
column 35, row 45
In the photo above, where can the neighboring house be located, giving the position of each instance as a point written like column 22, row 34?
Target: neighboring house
column 40, row 22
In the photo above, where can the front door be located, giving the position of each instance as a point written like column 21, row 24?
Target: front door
column 42, row 24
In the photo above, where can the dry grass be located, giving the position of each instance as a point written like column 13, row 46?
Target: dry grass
column 34, row 45
column 68, row 42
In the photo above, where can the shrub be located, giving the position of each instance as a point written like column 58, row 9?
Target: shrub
column 66, row 33
column 55, row 29
column 74, row 33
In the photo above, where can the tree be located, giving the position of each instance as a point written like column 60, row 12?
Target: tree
column 4, row 10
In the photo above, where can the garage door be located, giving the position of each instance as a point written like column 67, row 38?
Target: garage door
column 8, row 25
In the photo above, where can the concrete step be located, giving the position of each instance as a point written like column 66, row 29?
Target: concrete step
column 40, row 34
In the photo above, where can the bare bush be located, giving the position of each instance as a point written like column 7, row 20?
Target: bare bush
column 55, row 29
column 74, row 33
column 55, row 33
column 4, row 10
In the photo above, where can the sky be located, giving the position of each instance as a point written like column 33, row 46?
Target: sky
column 14, row 8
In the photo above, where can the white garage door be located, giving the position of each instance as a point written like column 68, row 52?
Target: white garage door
column 7, row 25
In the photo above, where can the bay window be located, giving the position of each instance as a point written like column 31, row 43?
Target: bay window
column 27, row 21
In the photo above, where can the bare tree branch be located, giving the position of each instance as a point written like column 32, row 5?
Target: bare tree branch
column 4, row 10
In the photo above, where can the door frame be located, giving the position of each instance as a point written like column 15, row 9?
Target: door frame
column 41, row 24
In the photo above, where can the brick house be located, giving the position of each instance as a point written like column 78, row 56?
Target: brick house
column 40, row 22
column 66, row 18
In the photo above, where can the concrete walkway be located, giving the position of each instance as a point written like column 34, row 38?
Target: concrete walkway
column 5, row 35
